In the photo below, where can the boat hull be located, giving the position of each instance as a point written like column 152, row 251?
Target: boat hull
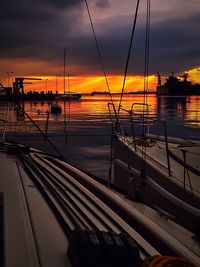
column 69, row 97
column 151, row 194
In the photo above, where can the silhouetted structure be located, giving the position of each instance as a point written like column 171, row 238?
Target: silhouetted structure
column 17, row 94
column 176, row 86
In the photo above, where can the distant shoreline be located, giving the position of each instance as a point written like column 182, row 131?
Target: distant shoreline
column 52, row 97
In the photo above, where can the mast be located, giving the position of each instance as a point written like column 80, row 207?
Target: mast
column 64, row 71
column 56, row 83
column 159, row 79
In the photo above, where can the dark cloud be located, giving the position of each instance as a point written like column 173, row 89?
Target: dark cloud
column 35, row 29
column 34, row 9
column 174, row 46
column 39, row 31
column 103, row 3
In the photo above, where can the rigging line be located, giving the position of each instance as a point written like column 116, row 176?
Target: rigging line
column 64, row 71
column 45, row 136
column 99, row 51
column 146, row 73
column 69, row 101
column 146, row 70
column 65, row 123
column 68, row 87
column 147, row 43
column 60, row 66
column 128, row 56
column 147, row 47
column 59, row 74
column 69, row 112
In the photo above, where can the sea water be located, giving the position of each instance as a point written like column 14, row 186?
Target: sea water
column 82, row 132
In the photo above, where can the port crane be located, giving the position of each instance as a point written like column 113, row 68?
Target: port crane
column 18, row 92
column 18, row 85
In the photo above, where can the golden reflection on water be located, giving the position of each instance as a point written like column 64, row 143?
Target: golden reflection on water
column 193, row 108
column 186, row 109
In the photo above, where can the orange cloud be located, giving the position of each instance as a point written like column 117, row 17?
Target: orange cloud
column 194, row 74
column 82, row 84
column 87, row 84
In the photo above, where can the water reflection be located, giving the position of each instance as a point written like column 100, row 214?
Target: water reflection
column 87, row 125
column 185, row 110
column 171, row 108
column 193, row 110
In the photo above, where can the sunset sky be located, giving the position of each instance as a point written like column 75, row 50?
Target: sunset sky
column 34, row 33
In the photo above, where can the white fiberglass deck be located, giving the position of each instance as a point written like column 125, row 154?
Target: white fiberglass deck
column 33, row 235
column 157, row 156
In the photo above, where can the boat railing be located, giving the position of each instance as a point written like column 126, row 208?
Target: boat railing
column 140, row 115
column 137, row 115
column 125, row 123
column 182, row 143
column 170, row 155
column 115, row 121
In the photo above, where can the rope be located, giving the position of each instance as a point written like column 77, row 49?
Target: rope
column 128, row 56
column 99, row 51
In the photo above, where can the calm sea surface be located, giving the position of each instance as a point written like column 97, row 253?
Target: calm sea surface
column 82, row 131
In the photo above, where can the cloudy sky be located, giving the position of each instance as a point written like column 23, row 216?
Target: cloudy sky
column 34, row 33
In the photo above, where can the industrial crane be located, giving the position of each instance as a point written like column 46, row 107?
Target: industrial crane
column 18, row 93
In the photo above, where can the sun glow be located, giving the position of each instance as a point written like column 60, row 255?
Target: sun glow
column 87, row 84
column 194, row 74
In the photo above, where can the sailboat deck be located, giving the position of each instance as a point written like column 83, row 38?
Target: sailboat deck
column 158, row 156
column 31, row 184
column 179, row 233
column 32, row 235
